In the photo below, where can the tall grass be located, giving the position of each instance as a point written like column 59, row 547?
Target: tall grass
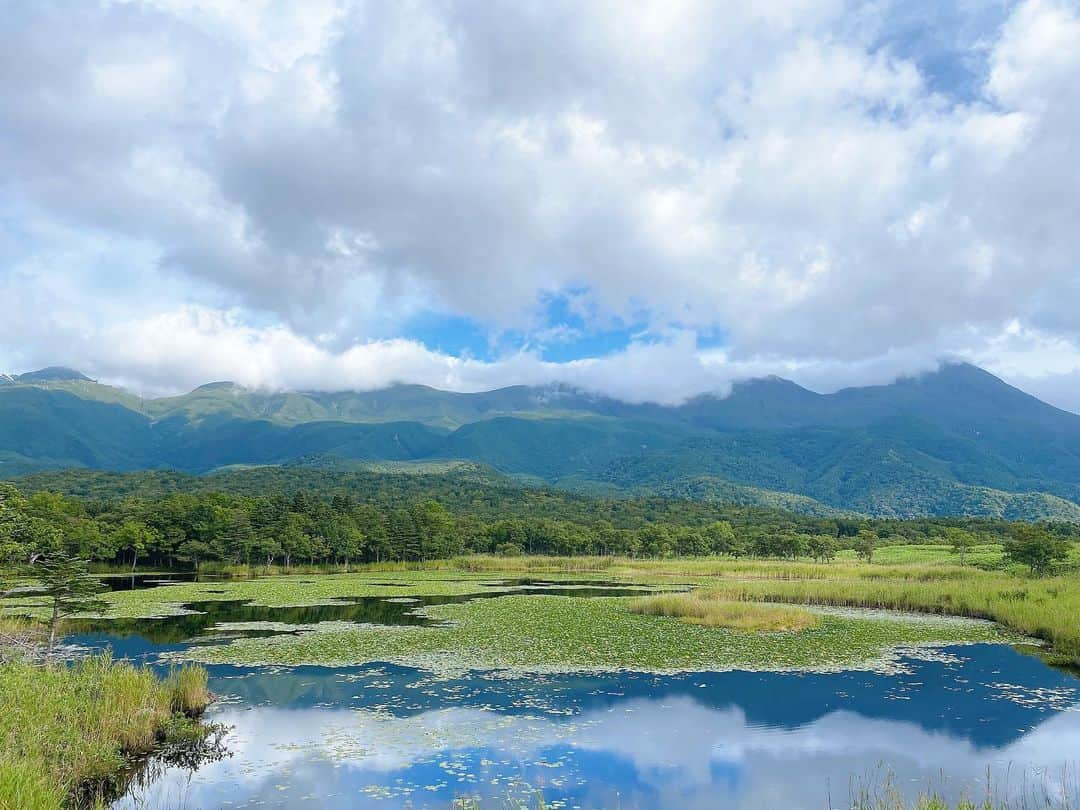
column 1035, row 790
column 187, row 687
column 20, row 638
column 1043, row 608
column 63, row 728
column 704, row 608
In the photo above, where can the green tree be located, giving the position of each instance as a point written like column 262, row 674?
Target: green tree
column 822, row 547
column 294, row 538
column 135, row 537
column 1035, row 547
column 865, row 543
column 792, row 545
column 960, row 541
column 193, row 551
column 238, row 536
column 404, row 538
column 721, row 537
column 12, row 523
column 351, row 542
column 436, row 528
column 691, row 542
column 70, row 588
column 656, row 541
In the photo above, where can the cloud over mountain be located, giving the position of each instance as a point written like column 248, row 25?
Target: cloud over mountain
column 275, row 192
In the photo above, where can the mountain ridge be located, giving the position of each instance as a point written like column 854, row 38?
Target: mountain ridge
column 955, row 441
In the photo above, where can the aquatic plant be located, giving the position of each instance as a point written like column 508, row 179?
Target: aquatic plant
column 559, row 633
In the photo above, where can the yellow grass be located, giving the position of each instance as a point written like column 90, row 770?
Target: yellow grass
column 711, row 610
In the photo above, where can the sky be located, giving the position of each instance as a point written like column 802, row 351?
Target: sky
column 647, row 199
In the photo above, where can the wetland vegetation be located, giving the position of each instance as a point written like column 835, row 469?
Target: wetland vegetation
column 708, row 609
column 70, row 735
column 544, row 617
column 337, row 582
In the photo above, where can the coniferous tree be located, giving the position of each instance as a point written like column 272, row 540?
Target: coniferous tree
column 69, row 587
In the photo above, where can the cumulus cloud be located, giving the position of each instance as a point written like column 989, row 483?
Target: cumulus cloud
column 269, row 192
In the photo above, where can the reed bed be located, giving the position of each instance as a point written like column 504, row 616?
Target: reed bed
column 64, row 728
column 1043, row 608
column 707, row 609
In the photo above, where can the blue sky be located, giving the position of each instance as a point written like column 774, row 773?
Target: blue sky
column 649, row 203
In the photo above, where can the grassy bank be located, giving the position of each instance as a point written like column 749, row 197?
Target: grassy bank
column 1043, row 608
column 73, row 731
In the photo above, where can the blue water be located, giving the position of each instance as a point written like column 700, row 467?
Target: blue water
column 389, row 736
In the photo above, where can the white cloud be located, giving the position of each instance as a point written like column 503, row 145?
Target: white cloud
column 678, row 752
column 307, row 176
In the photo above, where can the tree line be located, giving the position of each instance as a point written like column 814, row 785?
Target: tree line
column 346, row 528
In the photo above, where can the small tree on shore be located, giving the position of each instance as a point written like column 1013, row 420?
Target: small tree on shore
column 70, row 588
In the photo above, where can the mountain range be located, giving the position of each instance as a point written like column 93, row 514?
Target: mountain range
column 955, row 441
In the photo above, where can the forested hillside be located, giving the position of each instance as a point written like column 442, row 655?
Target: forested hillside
column 955, row 442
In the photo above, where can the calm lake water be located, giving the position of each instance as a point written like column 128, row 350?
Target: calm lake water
column 388, row 736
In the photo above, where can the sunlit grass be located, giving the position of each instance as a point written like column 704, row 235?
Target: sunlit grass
column 705, row 609
column 1044, row 608
column 63, row 728
column 188, row 687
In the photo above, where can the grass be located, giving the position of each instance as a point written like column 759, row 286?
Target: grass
column 68, row 730
column 880, row 795
column 20, row 638
column 527, row 634
column 705, row 609
column 187, row 686
column 1044, row 790
column 1043, row 608
column 989, row 555
column 913, row 578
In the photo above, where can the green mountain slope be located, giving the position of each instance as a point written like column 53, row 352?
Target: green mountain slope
column 958, row 441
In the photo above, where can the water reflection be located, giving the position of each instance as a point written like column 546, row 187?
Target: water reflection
column 386, row 736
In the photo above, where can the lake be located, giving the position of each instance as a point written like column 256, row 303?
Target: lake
column 382, row 735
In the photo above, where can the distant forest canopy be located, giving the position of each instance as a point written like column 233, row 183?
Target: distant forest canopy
column 289, row 516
